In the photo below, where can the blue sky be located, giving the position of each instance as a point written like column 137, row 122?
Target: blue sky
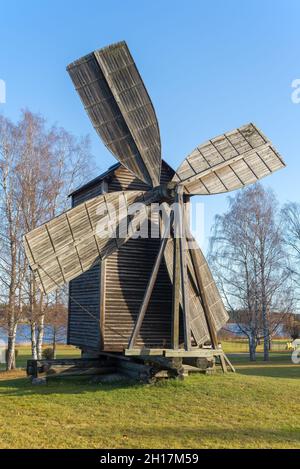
column 209, row 66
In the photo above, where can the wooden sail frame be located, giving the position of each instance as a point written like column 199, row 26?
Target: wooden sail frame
column 228, row 162
column 120, row 109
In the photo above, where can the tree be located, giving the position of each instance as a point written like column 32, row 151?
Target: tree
column 250, row 264
column 38, row 167
column 51, row 162
column 11, row 259
column 56, row 319
column 290, row 214
column 292, row 326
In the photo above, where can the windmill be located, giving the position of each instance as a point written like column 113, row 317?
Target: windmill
column 117, row 103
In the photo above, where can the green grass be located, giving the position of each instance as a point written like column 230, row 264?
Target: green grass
column 241, row 345
column 258, row 407
column 24, row 354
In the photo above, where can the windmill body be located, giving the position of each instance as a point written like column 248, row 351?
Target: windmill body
column 154, row 295
column 113, row 288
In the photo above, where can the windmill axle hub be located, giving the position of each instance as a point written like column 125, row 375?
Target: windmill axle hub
column 166, row 193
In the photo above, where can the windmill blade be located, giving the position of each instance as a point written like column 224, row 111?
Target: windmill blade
column 72, row 242
column 215, row 303
column 228, row 162
column 197, row 318
column 117, row 102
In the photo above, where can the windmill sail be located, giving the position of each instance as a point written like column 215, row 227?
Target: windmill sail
column 70, row 243
column 228, row 162
column 215, row 303
column 120, row 109
column 197, row 317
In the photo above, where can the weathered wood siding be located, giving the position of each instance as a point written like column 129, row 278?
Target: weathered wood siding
column 83, row 328
column 83, row 325
column 126, row 275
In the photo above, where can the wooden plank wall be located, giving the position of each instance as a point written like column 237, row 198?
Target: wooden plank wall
column 123, row 293
column 84, row 330
column 127, row 274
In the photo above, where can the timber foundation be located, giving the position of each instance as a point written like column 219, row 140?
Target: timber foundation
column 142, row 365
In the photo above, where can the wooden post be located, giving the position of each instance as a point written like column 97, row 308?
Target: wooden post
column 229, row 363
column 176, row 294
column 183, row 272
column 151, row 283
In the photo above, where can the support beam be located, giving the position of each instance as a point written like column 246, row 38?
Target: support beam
column 179, row 353
column 176, row 294
column 223, row 364
column 151, row 283
column 229, row 363
column 183, row 272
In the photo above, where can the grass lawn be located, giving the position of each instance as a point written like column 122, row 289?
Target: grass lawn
column 258, row 407
column 24, row 354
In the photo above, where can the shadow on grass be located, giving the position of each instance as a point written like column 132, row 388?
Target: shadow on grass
column 59, row 385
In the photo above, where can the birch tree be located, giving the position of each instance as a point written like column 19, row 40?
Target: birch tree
column 250, row 263
column 12, row 266
column 57, row 319
column 39, row 167
column 290, row 214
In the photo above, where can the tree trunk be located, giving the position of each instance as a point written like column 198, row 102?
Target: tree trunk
column 264, row 309
column 33, row 340
column 11, row 347
column 270, row 344
column 252, row 349
column 266, row 349
column 266, row 334
column 54, row 342
column 40, row 336
column 12, row 319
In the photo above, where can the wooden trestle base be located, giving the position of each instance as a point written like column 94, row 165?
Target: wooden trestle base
column 142, row 365
column 196, row 355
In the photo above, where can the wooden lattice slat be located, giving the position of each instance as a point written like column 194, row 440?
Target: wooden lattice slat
column 229, row 162
column 120, row 109
column 71, row 243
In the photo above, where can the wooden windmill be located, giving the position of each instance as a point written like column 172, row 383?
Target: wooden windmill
column 69, row 246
